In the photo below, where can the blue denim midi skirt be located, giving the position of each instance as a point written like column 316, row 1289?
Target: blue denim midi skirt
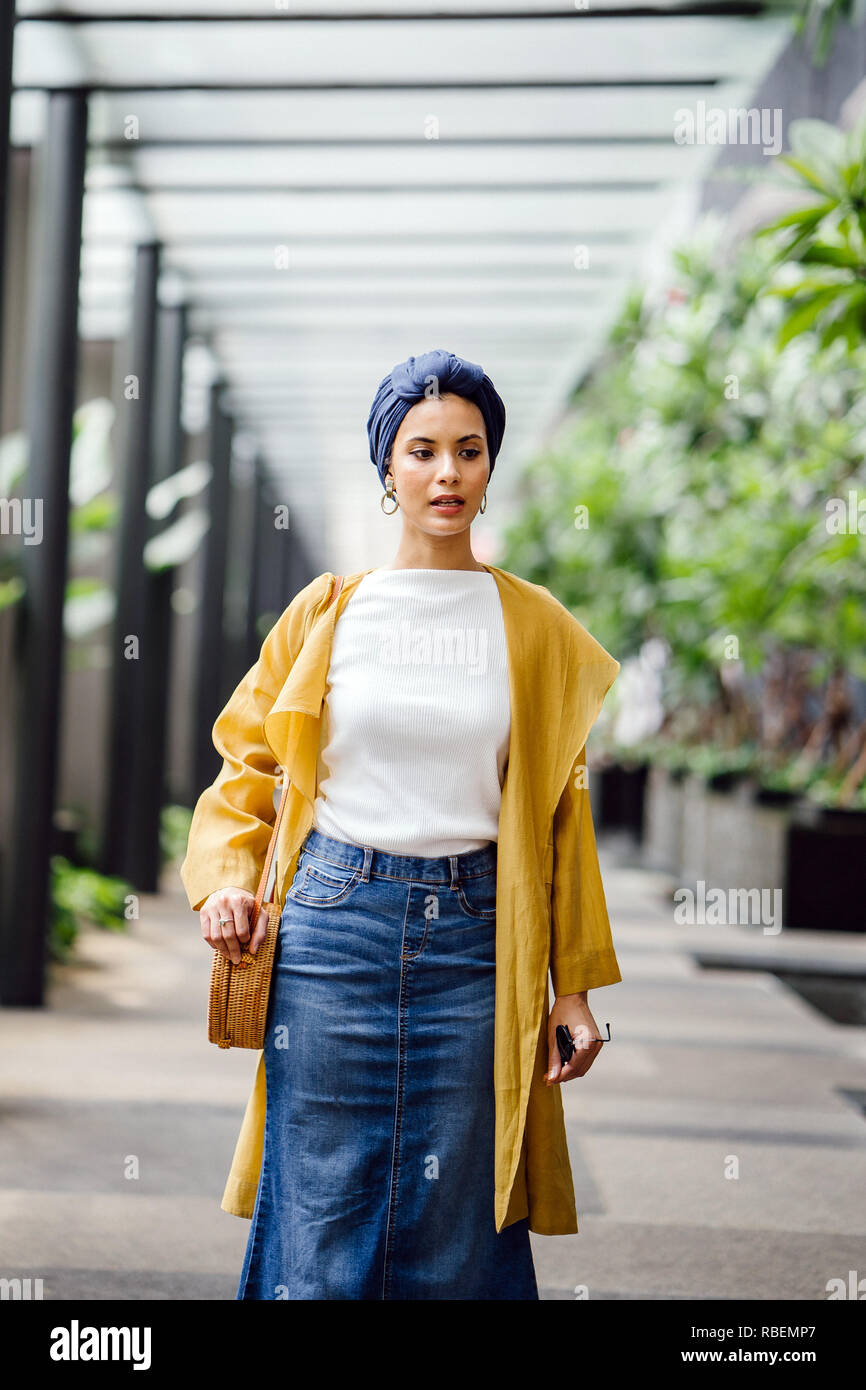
column 377, row 1174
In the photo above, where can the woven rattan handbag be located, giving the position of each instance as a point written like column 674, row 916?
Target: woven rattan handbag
column 238, row 1002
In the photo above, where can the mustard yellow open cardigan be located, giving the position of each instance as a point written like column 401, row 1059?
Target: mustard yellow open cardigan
column 550, row 907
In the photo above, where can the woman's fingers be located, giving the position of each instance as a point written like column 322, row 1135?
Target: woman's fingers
column 554, row 1061
column 571, row 1069
column 242, row 920
column 210, row 929
column 260, row 932
column 225, row 922
column 231, row 944
column 557, row 1073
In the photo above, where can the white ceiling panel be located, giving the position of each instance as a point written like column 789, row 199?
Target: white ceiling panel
column 336, row 185
column 436, row 53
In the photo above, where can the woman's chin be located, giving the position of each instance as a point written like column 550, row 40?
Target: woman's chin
column 456, row 519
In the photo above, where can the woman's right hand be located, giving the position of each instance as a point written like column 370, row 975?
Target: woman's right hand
column 232, row 908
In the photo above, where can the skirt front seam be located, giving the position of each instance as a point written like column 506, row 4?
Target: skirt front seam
column 398, row 1106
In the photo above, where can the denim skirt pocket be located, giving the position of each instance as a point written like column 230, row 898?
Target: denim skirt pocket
column 321, row 883
column 477, row 896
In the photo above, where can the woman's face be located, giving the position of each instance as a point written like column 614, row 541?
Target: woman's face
column 441, row 446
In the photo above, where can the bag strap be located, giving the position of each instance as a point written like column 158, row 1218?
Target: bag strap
column 263, row 881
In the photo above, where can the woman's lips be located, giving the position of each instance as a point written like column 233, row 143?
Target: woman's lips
column 447, row 506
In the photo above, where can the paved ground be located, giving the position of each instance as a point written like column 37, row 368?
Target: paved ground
column 119, row 1120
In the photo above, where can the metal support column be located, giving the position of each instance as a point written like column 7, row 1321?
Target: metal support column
column 130, row 654
column 51, row 379
column 255, row 604
column 7, row 24
column 272, row 578
column 151, row 749
column 287, row 552
column 210, row 692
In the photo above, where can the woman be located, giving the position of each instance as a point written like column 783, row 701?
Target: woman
column 404, row 1136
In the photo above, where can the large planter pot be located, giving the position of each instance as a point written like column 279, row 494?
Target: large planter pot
column 776, row 797
column 663, row 820
column 694, row 844
column 619, row 801
column 763, row 846
column 730, row 840
column 745, row 839
column 728, row 825
column 826, row 852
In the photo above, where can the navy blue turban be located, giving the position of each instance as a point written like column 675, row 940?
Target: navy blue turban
column 408, row 383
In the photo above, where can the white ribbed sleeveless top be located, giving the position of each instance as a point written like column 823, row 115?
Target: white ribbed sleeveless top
column 417, row 714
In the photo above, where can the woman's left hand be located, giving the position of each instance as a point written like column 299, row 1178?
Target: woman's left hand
column 572, row 1010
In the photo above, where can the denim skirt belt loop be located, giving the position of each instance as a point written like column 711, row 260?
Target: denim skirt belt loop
column 377, row 1174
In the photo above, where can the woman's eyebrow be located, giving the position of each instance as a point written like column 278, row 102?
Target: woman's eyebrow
column 422, row 439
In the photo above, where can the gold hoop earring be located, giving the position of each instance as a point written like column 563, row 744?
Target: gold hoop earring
column 483, row 507
column 389, row 493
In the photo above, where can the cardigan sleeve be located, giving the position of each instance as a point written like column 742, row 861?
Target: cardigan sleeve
column 233, row 818
column 581, row 946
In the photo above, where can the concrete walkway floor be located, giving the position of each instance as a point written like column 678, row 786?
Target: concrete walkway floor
column 718, row 1143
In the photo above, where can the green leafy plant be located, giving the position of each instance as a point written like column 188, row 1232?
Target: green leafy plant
column 707, row 448
column 79, row 895
column 826, row 237
column 818, row 20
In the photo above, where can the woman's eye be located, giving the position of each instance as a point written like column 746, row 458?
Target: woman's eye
column 428, row 453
